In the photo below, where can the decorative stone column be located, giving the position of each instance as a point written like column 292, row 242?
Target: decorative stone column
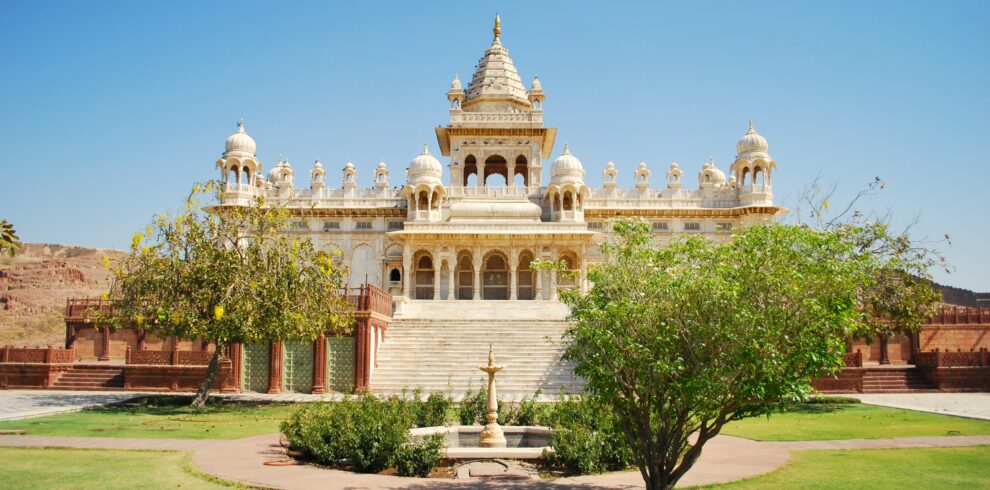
column 105, row 353
column 481, row 172
column 510, row 176
column 275, row 368
column 554, row 286
column 884, row 354
column 513, row 278
column 436, row 277
column 320, row 365
column 407, row 274
column 538, row 286
column 451, row 290
column 477, row 274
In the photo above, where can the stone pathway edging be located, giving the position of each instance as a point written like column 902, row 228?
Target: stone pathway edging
column 243, row 460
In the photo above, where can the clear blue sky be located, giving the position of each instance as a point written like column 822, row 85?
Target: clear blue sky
column 111, row 110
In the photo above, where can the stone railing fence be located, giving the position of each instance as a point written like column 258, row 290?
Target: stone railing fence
column 39, row 355
column 853, row 359
column 937, row 358
column 956, row 315
column 167, row 357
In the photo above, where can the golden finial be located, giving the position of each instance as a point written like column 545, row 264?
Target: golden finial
column 497, row 30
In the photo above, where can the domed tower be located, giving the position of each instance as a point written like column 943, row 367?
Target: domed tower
column 381, row 176
column 281, row 177
column 567, row 191
column 239, row 167
column 642, row 179
column 424, row 190
column 496, row 127
column 753, row 168
column 349, row 181
column 610, row 176
column 710, row 176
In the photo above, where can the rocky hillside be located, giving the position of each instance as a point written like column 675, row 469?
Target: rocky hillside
column 35, row 283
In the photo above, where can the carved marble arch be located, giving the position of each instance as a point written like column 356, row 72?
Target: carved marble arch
column 423, row 274
column 525, row 277
column 470, row 168
column 247, row 174
column 567, row 278
column 495, row 276
column 495, row 165
column 464, row 277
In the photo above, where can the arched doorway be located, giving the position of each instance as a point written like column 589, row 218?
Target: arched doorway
column 495, row 277
column 568, row 278
column 465, row 277
column 424, row 277
column 525, row 277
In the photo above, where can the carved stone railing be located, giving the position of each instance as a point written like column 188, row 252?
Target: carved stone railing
column 167, row 357
column 534, row 117
column 853, row 359
column 39, row 355
column 956, row 315
column 939, row 358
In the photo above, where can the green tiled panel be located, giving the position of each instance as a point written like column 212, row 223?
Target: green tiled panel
column 340, row 364
column 254, row 367
column 297, row 366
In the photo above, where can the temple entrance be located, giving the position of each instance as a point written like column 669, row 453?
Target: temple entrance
column 495, row 278
column 465, row 278
column 254, row 367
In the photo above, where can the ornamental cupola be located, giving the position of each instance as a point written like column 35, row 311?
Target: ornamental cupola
column 642, row 177
column 381, row 175
column 710, row 176
column 316, row 176
column 610, row 176
column 424, row 190
column 753, row 166
column 238, row 165
column 536, row 95
column 674, row 175
column 456, row 93
column 349, row 180
column 567, row 191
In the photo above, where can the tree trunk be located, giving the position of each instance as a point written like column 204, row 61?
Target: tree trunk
column 199, row 401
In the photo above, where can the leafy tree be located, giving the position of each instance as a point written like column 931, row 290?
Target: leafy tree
column 9, row 242
column 228, row 274
column 901, row 297
column 684, row 338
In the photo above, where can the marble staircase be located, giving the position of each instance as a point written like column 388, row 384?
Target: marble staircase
column 437, row 350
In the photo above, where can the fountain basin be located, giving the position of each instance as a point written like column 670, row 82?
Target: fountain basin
column 461, row 441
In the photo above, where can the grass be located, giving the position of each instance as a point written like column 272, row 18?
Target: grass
column 813, row 422
column 161, row 417
column 958, row 467
column 98, row 469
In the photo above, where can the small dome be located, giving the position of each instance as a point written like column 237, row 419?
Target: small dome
column 536, row 86
column 349, row 166
column 710, row 174
column 566, row 167
column 240, row 142
column 455, row 85
column 425, row 166
column 751, row 142
column 318, row 165
column 381, row 164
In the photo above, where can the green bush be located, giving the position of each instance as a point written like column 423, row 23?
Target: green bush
column 419, row 458
column 433, row 411
column 587, row 437
column 365, row 433
column 474, row 407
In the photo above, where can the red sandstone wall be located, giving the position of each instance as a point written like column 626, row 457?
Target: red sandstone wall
column 955, row 337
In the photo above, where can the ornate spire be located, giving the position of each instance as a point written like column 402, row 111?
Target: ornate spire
column 497, row 30
column 567, row 149
column 426, row 149
column 751, row 130
column 240, row 125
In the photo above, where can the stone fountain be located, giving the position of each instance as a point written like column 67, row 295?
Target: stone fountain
column 491, row 441
column 492, row 435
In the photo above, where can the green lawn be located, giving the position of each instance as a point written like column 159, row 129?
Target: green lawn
column 98, row 469
column 166, row 417
column 810, row 422
column 957, row 467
